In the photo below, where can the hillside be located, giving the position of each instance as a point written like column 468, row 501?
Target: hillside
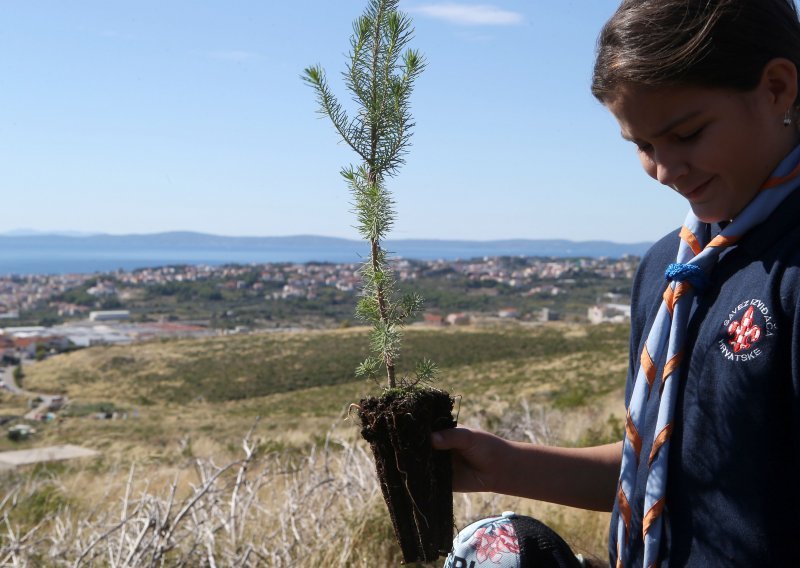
column 282, row 376
column 175, row 401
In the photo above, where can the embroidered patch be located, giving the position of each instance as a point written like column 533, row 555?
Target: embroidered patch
column 746, row 327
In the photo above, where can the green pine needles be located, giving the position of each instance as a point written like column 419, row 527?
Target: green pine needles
column 380, row 77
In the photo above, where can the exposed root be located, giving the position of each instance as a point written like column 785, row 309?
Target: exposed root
column 350, row 410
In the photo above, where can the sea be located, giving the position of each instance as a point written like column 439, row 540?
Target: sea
column 53, row 261
column 108, row 253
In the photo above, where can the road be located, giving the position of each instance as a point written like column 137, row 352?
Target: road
column 8, row 383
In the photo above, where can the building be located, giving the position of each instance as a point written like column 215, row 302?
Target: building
column 614, row 313
column 109, row 315
column 546, row 314
column 459, row 318
column 433, row 318
column 511, row 313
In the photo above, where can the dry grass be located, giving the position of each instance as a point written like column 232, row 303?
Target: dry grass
column 317, row 507
column 572, row 390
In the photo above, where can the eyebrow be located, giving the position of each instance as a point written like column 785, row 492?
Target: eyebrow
column 671, row 125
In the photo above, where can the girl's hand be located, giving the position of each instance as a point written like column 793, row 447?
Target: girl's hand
column 579, row 477
column 479, row 457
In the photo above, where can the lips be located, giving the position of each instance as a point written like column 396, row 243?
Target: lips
column 697, row 191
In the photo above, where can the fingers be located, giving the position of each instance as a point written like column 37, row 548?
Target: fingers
column 473, row 461
column 452, row 439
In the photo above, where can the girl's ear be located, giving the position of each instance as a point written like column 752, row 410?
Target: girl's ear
column 779, row 83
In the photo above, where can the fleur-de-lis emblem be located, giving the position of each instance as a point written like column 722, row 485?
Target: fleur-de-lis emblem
column 493, row 542
column 744, row 333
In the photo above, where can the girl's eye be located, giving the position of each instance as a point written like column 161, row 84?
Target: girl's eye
column 645, row 152
column 689, row 137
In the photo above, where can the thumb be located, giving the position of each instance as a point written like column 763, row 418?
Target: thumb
column 451, row 439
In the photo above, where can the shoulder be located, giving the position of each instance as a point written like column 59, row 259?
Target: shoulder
column 787, row 257
column 772, row 255
column 773, row 249
column 649, row 282
column 662, row 253
column 650, row 273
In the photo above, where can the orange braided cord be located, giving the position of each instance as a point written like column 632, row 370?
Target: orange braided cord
column 773, row 181
column 633, row 436
column 690, row 239
column 649, row 367
column 669, row 299
column 659, row 441
column 671, row 365
column 652, row 515
column 720, row 241
column 671, row 296
column 625, row 512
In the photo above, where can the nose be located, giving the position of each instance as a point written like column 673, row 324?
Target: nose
column 668, row 167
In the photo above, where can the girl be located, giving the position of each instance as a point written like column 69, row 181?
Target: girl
column 707, row 473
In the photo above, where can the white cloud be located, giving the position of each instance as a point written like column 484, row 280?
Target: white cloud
column 234, row 55
column 469, row 15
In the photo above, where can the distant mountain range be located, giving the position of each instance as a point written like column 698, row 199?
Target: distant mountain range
column 35, row 232
column 59, row 253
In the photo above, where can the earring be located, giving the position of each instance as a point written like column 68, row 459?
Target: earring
column 787, row 118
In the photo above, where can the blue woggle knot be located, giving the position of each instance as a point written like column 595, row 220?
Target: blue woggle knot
column 690, row 273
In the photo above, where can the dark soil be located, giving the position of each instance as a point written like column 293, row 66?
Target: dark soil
column 415, row 479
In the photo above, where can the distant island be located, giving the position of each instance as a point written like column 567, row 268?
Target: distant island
column 75, row 253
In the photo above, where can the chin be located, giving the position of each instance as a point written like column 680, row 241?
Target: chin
column 710, row 217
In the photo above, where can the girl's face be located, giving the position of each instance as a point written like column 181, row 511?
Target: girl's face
column 715, row 147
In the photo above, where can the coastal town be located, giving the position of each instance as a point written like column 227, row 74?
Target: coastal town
column 126, row 306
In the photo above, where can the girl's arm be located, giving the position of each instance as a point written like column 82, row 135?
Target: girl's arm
column 578, row 477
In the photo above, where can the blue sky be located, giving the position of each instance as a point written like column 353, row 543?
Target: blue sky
column 150, row 116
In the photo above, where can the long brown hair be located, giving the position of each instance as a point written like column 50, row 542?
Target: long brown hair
column 709, row 43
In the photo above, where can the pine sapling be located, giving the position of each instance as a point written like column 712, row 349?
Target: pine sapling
column 415, row 479
column 380, row 77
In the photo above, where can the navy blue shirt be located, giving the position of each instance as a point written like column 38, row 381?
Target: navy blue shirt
column 733, row 488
